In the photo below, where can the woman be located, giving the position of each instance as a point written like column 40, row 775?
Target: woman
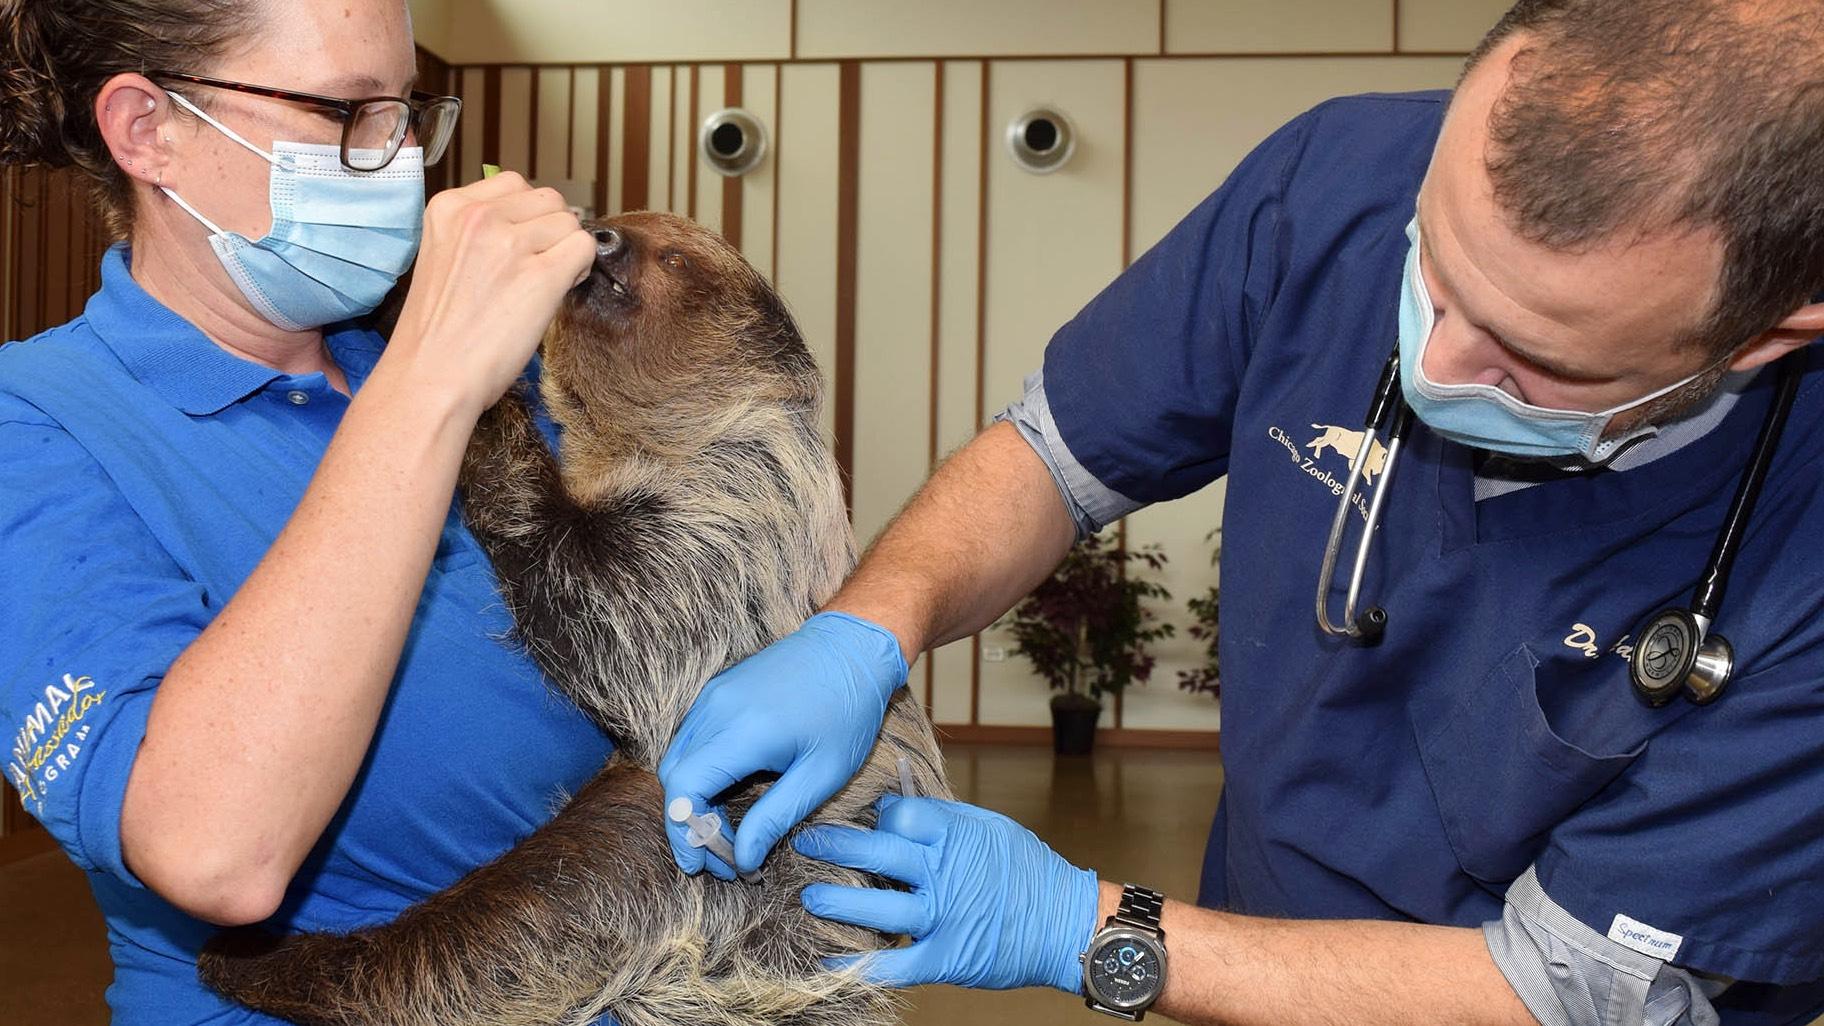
column 251, row 663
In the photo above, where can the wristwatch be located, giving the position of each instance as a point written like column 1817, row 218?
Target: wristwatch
column 1124, row 968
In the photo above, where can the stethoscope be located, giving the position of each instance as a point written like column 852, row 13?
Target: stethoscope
column 1676, row 650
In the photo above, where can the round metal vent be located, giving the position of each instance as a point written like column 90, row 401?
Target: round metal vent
column 1041, row 140
column 732, row 141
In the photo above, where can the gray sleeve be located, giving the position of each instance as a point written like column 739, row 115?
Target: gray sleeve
column 1567, row 974
column 1092, row 504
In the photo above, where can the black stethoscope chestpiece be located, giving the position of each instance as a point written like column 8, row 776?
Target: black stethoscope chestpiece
column 1674, row 654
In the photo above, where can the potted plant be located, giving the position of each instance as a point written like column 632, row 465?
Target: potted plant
column 1206, row 626
column 1086, row 630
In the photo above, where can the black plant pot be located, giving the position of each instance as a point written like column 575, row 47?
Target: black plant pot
column 1073, row 724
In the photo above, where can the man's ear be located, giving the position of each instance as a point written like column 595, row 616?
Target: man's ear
column 135, row 119
column 1795, row 332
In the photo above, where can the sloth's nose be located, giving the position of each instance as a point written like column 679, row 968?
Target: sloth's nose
column 609, row 244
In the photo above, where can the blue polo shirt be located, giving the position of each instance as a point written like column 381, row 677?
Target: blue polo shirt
column 1494, row 730
column 144, row 472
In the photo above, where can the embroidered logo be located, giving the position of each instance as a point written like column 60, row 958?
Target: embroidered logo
column 1348, row 445
column 51, row 738
column 1645, row 939
column 1335, row 442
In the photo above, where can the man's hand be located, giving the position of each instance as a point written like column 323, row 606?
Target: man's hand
column 808, row 708
column 990, row 907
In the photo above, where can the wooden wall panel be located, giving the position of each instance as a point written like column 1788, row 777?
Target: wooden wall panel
column 616, row 31
column 809, row 97
column 658, row 141
column 585, row 126
column 683, row 106
column 964, row 138
column 1195, row 119
column 552, row 130
column 711, row 88
column 1453, row 26
column 1031, row 291
column 893, row 308
column 513, row 121
column 473, row 131
column 614, row 107
column 958, row 28
column 1287, row 26
column 759, row 187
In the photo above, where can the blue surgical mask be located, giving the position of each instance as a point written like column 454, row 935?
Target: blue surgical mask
column 1485, row 417
column 339, row 241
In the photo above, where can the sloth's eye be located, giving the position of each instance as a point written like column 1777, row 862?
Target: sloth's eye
column 675, row 260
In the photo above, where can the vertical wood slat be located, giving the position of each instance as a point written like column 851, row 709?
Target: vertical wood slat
column 604, row 135
column 937, row 310
column 688, row 143
column 636, row 162
column 848, row 196
column 731, row 187
column 532, row 126
column 29, row 307
column 671, row 139
column 981, row 343
column 56, row 226
column 778, row 135
column 9, row 261
column 490, row 128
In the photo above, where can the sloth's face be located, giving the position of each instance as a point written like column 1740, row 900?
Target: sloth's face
column 672, row 309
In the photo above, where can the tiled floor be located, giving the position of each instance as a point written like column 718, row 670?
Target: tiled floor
column 1133, row 815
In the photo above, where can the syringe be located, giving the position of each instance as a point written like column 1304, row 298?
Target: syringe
column 908, row 787
column 705, row 831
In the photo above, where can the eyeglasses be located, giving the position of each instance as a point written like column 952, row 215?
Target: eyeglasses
column 372, row 129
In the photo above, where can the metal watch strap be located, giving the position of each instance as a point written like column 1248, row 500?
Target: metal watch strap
column 1140, row 907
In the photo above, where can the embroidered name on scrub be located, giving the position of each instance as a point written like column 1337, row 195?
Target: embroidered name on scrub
column 50, row 740
column 1645, row 939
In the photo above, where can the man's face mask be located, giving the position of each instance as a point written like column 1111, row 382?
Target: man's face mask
column 339, row 241
column 1485, row 417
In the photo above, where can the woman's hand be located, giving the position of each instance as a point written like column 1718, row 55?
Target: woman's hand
column 991, row 905
column 496, row 260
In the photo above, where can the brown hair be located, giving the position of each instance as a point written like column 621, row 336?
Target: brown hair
column 1651, row 115
column 55, row 55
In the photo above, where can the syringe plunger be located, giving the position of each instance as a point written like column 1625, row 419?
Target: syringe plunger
column 705, row 831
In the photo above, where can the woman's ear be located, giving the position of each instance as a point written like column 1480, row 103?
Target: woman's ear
column 1795, row 332
column 135, row 120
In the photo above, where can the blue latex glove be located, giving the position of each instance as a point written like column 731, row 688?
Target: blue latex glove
column 808, row 707
column 991, row 905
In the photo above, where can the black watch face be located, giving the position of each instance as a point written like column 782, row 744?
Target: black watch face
column 1127, row 971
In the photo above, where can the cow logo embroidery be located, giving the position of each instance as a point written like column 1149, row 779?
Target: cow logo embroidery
column 1307, row 458
column 1348, row 444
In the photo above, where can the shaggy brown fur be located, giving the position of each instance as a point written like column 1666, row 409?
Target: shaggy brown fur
column 695, row 516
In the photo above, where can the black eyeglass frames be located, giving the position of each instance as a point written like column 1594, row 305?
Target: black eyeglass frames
column 373, row 128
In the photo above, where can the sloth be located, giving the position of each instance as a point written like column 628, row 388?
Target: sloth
column 691, row 516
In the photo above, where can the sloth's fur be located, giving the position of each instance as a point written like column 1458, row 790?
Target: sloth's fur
column 694, row 517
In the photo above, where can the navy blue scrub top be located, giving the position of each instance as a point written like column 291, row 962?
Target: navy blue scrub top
column 1495, row 728
column 144, row 472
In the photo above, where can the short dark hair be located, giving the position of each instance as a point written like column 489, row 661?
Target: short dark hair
column 55, row 55
column 1650, row 115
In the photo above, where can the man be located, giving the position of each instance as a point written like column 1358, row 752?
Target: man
column 1619, row 228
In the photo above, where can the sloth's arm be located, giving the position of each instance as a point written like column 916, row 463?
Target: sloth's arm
column 613, row 600
column 561, row 919
column 510, row 483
